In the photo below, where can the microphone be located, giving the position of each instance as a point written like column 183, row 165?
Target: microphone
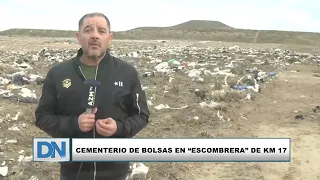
column 89, row 94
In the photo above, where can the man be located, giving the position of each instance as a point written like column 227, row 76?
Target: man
column 122, row 109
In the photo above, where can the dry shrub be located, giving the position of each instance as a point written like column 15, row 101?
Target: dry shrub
column 217, row 84
column 222, row 107
column 7, row 69
column 230, row 96
column 232, row 81
column 238, row 71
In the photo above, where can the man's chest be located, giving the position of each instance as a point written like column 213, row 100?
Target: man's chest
column 113, row 93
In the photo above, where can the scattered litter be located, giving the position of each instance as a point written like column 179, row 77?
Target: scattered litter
column 221, row 117
column 316, row 109
column 194, row 73
column 17, row 127
column 173, row 61
column 200, row 93
column 139, row 169
column 22, row 158
column 147, row 74
column 162, row 106
column 11, row 141
column 27, row 159
column 211, row 104
column 241, row 115
column 299, row 117
column 162, row 67
column 16, row 117
column 179, row 108
column 4, row 171
column 205, row 74
column 33, row 178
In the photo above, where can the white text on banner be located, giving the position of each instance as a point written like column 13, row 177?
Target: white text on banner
column 191, row 150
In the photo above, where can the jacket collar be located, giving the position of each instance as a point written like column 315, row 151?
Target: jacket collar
column 104, row 63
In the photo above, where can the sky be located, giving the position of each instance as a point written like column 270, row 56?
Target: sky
column 291, row 15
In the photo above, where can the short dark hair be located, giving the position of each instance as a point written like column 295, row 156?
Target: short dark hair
column 93, row 15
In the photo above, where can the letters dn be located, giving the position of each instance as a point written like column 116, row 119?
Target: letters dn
column 51, row 149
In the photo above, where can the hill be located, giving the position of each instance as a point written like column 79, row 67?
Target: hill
column 191, row 30
column 201, row 24
column 191, row 25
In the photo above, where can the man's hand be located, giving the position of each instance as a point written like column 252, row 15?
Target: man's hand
column 106, row 127
column 86, row 121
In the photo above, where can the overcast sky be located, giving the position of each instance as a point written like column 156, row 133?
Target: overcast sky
column 295, row 15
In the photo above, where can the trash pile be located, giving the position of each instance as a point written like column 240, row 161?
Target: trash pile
column 16, row 84
column 174, row 77
column 249, row 69
column 195, row 61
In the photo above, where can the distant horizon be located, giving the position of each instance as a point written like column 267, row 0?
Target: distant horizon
column 165, row 27
column 277, row 15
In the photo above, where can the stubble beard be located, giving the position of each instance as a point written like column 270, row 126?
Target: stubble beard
column 95, row 54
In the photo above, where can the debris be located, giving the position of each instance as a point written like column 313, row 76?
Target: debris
column 162, row 67
column 33, row 178
column 299, row 117
column 169, row 71
column 194, row 73
column 147, row 74
column 16, row 117
column 139, row 169
column 173, row 61
column 316, row 109
column 4, row 171
column 200, row 93
column 162, row 106
column 221, row 117
column 13, row 141
column 210, row 104
column 179, row 108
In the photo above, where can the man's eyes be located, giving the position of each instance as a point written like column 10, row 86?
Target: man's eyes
column 101, row 31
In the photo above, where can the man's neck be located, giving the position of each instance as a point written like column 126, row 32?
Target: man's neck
column 91, row 61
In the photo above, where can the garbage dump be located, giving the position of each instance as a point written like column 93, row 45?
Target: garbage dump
column 174, row 77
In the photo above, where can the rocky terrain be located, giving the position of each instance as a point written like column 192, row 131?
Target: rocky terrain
column 194, row 89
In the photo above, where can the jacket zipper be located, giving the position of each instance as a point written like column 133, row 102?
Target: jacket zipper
column 94, row 129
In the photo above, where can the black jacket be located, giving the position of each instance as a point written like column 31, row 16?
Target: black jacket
column 60, row 105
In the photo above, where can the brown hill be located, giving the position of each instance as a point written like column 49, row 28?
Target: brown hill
column 191, row 30
column 191, row 25
column 201, row 24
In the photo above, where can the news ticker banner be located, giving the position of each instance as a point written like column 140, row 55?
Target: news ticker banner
column 162, row 150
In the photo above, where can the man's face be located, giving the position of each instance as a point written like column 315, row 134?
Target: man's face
column 94, row 36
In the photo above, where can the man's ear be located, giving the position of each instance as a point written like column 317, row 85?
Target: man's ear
column 78, row 37
column 110, row 39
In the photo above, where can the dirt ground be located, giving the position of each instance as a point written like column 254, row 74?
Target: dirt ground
column 273, row 115
column 270, row 114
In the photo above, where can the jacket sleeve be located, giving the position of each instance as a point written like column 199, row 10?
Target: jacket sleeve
column 46, row 119
column 138, row 112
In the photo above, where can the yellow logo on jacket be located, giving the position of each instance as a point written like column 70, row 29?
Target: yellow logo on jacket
column 66, row 83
